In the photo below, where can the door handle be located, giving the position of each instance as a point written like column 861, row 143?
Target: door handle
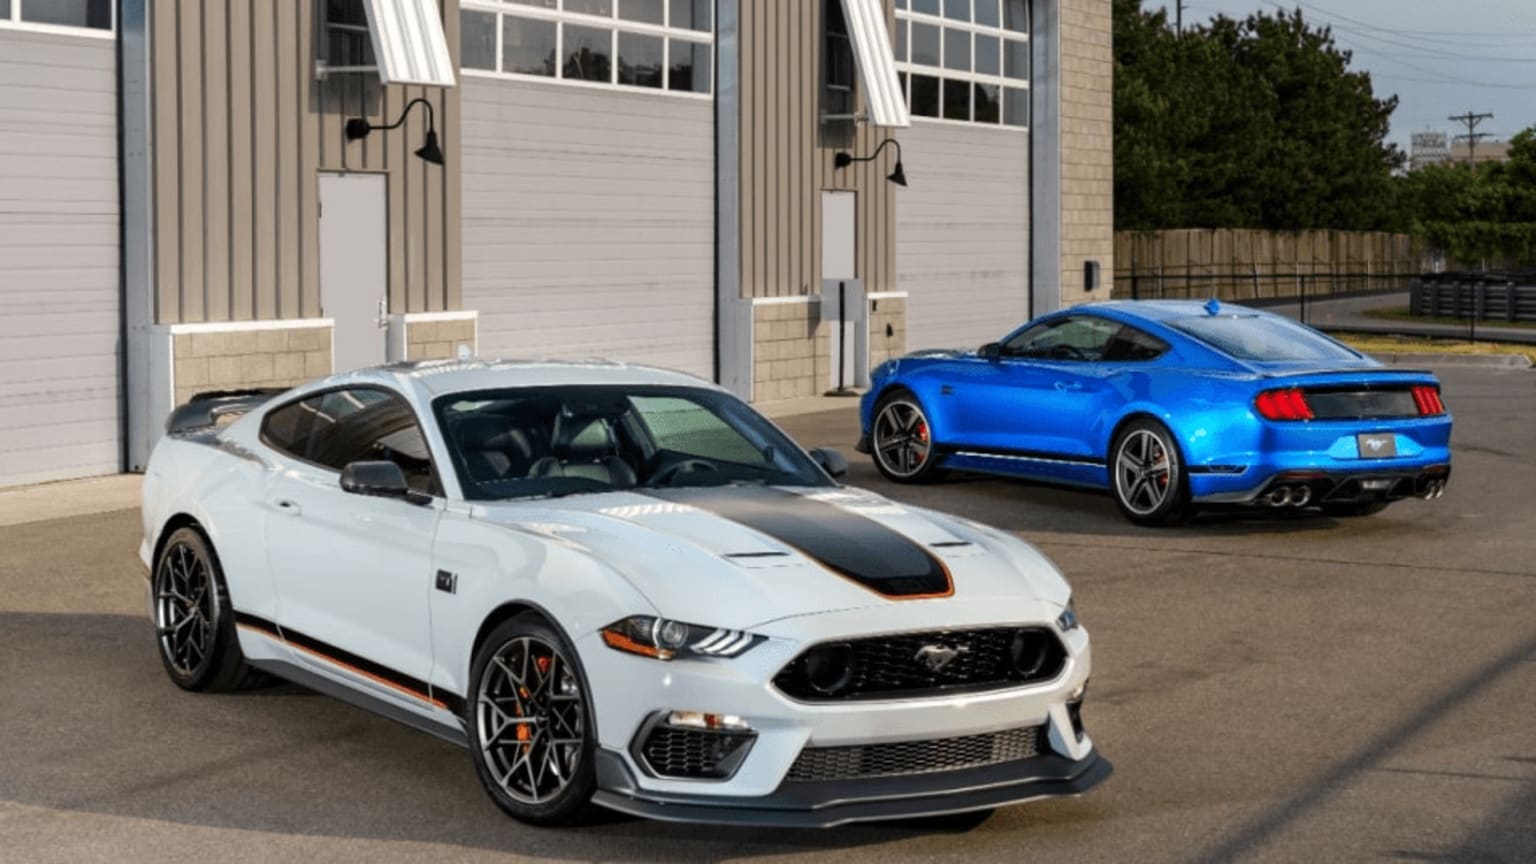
column 288, row 507
column 1068, row 386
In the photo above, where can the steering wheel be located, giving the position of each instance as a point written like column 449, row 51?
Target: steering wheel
column 1064, row 351
column 665, row 476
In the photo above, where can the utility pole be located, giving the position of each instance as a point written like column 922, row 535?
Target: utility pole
column 1473, row 136
column 1178, row 16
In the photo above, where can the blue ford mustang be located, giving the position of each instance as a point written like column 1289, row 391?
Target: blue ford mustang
column 1170, row 405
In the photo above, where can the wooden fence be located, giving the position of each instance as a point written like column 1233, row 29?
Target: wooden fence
column 1248, row 265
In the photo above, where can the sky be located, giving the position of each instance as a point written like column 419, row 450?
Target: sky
column 1441, row 57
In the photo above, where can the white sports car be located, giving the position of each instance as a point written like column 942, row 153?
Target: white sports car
column 613, row 585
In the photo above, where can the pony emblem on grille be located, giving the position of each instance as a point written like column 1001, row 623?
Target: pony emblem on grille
column 936, row 657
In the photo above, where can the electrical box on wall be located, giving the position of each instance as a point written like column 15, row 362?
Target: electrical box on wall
column 1090, row 276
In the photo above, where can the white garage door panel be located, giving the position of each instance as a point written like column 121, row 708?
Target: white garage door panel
column 589, row 223
column 962, row 234
column 59, row 288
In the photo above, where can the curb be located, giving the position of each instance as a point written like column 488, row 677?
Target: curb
column 1474, row 361
column 1485, row 333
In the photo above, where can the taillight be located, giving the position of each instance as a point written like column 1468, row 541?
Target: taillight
column 1427, row 397
column 1289, row 404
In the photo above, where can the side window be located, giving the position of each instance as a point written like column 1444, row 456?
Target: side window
column 1130, row 345
column 342, row 426
column 1079, row 337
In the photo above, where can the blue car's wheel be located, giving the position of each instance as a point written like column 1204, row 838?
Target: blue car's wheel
column 902, row 440
column 1147, row 474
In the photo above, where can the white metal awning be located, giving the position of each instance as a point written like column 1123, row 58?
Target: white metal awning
column 876, row 61
column 408, row 42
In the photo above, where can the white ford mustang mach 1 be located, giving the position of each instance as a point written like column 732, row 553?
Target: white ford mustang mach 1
column 613, row 585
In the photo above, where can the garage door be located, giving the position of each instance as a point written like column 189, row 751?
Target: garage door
column 59, row 291
column 589, row 223
column 962, row 233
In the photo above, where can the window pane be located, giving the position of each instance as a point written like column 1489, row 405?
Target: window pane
column 927, row 7
column 591, row 7
column 925, row 95
column 987, row 49
column 1015, row 106
column 957, row 100
column 543, row 4
column 77, row 13
column 1016, row 59
column 986, row 13
column 646, row 11
column 477, row 39
column 986, row 103
column 1016, row 15
column 287, row 429
column 527, row 46
column 5, row 10
column 925, row 44
column 901, row 41
column 960, row 10
column 639, row 59
column 690, row 67
column 588, row 53
column 691, row 14
column 957, row 50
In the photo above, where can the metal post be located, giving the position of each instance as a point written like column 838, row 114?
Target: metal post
column 842, row 334
column 1135, row 292
column 1303, row 296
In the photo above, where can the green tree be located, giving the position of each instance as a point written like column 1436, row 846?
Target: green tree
column 1483, row 214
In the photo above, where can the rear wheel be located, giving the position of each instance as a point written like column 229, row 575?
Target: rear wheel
column 1353, row 509
column 1147, row 474
column 531, row 735
column 194, row 624
column 902, row 440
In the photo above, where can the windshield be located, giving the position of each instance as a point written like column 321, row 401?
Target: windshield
column 1263, row 338
column 538, row 441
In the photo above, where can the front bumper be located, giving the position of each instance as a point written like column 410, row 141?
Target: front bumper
column 830, row 803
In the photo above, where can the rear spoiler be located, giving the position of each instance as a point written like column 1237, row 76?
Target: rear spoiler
column 205, row 409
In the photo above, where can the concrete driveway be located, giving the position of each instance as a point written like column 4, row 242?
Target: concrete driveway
column 1270, row 688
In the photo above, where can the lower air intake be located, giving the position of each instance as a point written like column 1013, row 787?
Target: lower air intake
column 916, row 757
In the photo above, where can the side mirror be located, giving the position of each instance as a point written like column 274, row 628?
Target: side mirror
column 380, row 479
column 991, row 350
column 831, row 461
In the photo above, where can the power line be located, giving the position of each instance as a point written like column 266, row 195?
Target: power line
column 1473, row 136
column 1423, row 35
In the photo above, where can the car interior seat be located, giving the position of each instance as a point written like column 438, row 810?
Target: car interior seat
column 494, row 450
column 585, row 447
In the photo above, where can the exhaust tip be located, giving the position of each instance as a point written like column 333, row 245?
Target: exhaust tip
column 1279, row 497
column 1301, row 496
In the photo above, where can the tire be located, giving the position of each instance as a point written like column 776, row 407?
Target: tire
column 901, row 441
column 194, row 622
column 1147, row 476
column 560, row 737
column 1355, row 509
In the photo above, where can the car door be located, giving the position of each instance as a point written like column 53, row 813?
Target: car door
column 353, row 573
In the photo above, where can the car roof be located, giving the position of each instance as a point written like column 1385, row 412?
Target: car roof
column 1167, row 310
column 437, row 377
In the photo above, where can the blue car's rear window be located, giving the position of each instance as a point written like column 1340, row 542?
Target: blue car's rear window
column 1262, row 338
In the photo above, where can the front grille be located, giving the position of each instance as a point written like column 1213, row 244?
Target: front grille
column 916, row 757
column 903, row 665
column 694, row 753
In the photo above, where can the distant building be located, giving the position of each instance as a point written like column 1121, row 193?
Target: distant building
column 1431, row 147
column 1487, row 151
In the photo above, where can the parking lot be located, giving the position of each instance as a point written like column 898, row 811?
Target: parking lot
column 1270, row 687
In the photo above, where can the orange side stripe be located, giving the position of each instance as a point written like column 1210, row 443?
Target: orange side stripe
column 422, row 697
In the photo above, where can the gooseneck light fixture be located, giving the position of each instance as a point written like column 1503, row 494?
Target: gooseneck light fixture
column 898, row 176
column 359, row 127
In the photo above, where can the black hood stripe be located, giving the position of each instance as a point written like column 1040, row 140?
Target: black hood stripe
column 852, row 546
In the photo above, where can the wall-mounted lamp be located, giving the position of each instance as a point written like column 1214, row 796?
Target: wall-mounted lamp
column 898, row 176
column 359, row 127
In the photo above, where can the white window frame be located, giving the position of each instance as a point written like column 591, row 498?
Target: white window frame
column 15, row 22
column 409, row 45
column 903, row 65
column 614, row 25
column 875, row 57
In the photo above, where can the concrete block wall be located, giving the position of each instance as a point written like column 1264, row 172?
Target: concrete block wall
column 438, row 340
column 790, row 351
column 236, row 359
column 887, row 314
column 1087, row 149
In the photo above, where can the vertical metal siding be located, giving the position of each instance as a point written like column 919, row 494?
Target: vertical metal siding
column 241, row 129
column 59, row 288
column 784, row 165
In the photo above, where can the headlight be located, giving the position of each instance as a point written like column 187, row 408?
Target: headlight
column 1067, row 620
column 664, row 639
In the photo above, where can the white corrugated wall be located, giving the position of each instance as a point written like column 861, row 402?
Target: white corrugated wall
column 962, row 233
column 59, row 287
column 589, row 223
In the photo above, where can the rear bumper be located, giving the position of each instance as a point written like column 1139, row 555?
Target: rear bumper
column 1324, row 485
column 831, row 803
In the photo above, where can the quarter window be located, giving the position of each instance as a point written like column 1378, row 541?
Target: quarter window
column 965, row 60
column 646, row 44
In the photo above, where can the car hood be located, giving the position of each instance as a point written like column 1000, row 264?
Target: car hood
column 744, row 556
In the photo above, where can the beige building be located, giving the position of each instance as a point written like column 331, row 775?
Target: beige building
column 707, row 185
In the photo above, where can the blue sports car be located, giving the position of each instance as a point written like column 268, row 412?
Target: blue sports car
column 1171, row 406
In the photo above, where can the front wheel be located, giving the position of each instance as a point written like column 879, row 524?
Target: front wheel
column 530, row 724
column 1147, row 474
column 902, row 440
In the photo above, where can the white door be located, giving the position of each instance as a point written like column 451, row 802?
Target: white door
column 354, row 266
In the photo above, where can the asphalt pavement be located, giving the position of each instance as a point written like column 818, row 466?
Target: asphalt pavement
column 1270, row 687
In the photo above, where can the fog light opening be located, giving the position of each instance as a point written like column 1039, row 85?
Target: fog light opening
column 704, row 720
